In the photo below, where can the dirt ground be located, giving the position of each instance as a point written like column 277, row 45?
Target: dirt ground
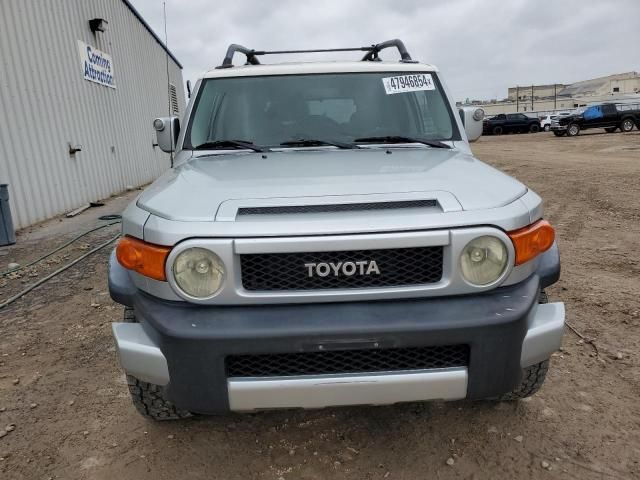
column 62, row 390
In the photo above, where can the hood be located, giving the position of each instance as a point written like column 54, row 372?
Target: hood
column 195, row 190
column 566, row 119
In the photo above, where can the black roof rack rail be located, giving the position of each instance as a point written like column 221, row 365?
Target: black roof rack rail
column 370, row 55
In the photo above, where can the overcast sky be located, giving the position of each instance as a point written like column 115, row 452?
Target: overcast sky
column 481, row 46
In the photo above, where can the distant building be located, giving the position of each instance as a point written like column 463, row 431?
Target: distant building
column 547, row 98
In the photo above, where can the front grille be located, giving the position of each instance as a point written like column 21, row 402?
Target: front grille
column 347, row 269
column 342, row 207
column 347, row 361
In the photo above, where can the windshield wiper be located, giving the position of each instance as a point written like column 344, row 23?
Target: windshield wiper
column 219, row 144
column 313, row 142
column 401, row 139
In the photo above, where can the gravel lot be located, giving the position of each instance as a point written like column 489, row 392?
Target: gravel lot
column 65, row 402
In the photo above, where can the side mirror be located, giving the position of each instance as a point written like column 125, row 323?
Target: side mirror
column 472, row 120
column 167, row 131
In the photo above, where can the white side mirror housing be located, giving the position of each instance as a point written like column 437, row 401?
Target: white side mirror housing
column 472, row 118
column 167, row 131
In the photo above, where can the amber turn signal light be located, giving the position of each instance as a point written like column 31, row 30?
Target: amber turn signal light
column 531, row 241
column 142, row 257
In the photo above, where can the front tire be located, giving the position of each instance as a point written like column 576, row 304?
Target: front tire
column 573, row 129
column 150, row 401
column 534, row 128
column 497, row 130
column 547, row 128
column 532, row 379
column 626, row 125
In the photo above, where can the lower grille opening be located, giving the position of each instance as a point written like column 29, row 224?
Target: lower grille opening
column 347, row 361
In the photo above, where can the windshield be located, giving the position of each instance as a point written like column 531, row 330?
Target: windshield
column 272, row 110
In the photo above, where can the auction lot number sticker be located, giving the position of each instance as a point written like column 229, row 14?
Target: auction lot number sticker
column 408, row 83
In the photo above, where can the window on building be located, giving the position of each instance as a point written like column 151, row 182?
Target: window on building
column 616, row 89
column 173, row 99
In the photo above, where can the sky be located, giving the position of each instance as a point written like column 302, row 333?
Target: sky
column 482, row 47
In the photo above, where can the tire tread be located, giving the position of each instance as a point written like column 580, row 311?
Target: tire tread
column 533, row 378
column 151, row 403
column 149, row 399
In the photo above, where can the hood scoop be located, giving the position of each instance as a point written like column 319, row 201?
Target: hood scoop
column 336, row 207
column 317, row 208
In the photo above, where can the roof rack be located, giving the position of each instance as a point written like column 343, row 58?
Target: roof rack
column 370, row 56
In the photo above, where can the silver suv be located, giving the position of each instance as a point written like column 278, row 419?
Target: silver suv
column 326, row 237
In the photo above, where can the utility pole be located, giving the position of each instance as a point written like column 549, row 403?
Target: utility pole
column 517, row 98
column 555, row 95
column 532, row 109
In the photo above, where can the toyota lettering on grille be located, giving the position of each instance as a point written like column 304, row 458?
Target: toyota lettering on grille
column 346, row 269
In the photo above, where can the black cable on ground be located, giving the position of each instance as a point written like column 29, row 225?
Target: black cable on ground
column 6, row 272
column 21, row 294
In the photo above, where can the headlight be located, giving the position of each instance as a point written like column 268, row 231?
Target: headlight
column 478, row 114
column 483, row 260
column 198, row 272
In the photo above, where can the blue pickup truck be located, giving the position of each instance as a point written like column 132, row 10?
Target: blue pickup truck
column 610, row 116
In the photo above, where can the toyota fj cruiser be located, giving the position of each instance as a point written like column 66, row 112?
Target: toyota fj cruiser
column 326, row 237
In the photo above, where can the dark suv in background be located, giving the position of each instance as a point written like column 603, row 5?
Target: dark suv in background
column 609, row 116
column 510, row 123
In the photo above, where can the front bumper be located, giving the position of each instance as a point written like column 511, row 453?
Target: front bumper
column 184, row 346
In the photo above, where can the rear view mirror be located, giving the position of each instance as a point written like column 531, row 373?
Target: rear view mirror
column 472, row 120
column 167, row 131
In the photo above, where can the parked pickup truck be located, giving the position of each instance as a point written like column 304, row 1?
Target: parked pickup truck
column 610, row 116
column 327, row 237
column 545, row 121
column 510, row 123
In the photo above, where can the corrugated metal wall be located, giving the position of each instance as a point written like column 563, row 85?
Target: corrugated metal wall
column 45, row 104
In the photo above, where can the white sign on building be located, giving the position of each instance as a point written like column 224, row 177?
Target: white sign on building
column 97, row 66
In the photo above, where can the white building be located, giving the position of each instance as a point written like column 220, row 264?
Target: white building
column 547, row 98
column 80, row 84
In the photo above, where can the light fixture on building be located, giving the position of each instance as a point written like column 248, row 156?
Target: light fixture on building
column 98, row 25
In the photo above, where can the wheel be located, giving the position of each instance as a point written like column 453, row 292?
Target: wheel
column 532, row 379
column 150, row 401
column 547, row 128
column 497, row 130
column 534, row 128
column 573, row 129
column 559, row 133
column 543, row 297
column 129, row 315
column 626, row 125
column 610, row 129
